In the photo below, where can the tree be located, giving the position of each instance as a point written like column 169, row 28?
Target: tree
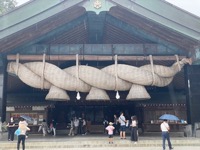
column 7, row 5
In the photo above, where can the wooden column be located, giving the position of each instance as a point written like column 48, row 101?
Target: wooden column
column 3, row 80
column 192, row 78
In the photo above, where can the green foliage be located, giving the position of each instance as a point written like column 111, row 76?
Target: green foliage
column 7, row 5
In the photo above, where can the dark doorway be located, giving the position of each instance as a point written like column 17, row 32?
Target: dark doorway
column 95, row 113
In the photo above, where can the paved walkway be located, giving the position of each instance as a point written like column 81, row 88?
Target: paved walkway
column 131, row 148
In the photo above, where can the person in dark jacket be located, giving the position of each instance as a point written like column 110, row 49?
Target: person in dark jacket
column 11, row 129
column 134, row 129
column 116, row 124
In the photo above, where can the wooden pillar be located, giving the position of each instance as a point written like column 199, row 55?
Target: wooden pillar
column 3, row 79
column 192, row 78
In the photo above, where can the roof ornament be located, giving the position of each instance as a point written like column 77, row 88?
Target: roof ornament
column 97, row 4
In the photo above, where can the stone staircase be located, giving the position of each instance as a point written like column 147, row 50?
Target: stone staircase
column 38, row 142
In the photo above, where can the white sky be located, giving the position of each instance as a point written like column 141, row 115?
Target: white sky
column 192, row 6
column 21, row 1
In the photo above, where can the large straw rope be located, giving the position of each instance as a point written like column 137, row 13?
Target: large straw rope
column 138, row 92
column 26, row 75
column 57, row 94
column 97, row 94
column 57, row 76
column 100, row 79
column 168, row 72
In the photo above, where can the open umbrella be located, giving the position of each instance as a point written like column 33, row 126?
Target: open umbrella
column 169, row 117
column 26, row 117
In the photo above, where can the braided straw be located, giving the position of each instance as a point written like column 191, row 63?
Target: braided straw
column 94, row 80
column 57, row 94
column 97, row 94
column 137, row 92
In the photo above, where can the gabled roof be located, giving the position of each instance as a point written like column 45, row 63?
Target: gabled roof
column 127, row 22
column 139, row 22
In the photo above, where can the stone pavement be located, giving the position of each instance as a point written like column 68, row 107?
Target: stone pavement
column 130, row 148
column 97, row 142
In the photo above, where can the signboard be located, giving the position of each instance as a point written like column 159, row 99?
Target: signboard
column 10, row 108
column 38, row 108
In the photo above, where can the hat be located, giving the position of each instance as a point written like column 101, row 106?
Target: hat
column 110, row 123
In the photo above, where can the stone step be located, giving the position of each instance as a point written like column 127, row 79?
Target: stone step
column 93, row 142
column 158, row 134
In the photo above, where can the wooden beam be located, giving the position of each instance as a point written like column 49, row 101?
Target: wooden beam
column 89, row 58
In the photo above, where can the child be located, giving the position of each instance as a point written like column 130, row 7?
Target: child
column 110, row 129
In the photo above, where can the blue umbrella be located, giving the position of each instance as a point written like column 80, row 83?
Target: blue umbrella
column 26, row 117
column 169, row 117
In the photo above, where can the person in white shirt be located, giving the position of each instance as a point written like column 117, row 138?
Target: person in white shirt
column 22, row 135
column 122, row 121
column 76, row 124
column 71, row 131
column 165, row 134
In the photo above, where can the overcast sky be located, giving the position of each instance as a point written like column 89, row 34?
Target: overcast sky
column 192, row 6
column 21, row 1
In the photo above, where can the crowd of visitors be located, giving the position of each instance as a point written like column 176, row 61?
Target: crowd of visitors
column 80, row 126
column 120, row 125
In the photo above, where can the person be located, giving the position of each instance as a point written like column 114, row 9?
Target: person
column 80, row 125
column 84, row 127
column 105, row 123
column 53, row 127
column 0, row 125
column 122, row 121
column 71, row 130
column 88, row 125
column 43, row 127
column 4, row 126
column 11, row 129
column 116, row 125
column 165, row 134
column 134, row 129
column 127, row 124
column 76, row 125
column 110, row 129
column 22, row 135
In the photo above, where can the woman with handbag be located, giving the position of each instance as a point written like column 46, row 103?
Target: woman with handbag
column 122, row 121
column 22, row 133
